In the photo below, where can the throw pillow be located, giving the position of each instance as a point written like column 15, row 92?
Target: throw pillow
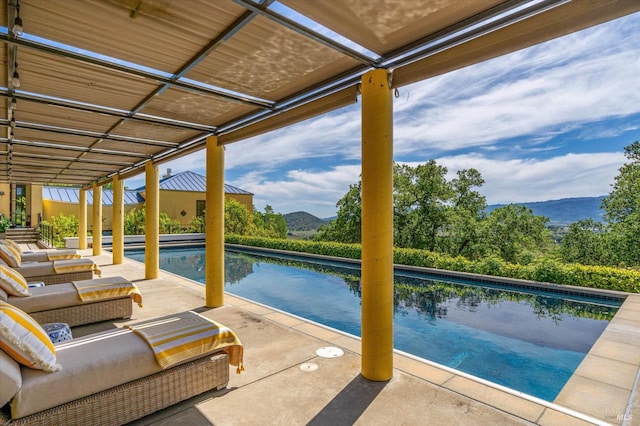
column 13, row 282
column 24, row 340
column 13, row 244
column 10, row 255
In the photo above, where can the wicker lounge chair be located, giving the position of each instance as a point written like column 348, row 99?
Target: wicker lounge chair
column 61, row 303
column 50, row 272
column 108, row 378
column 41, row 255
column 46, row 271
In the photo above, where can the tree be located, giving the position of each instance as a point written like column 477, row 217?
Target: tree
column 270, row 224
column 587, row 242
column 237, row 219
column 422, row 198
column 515, row 234
column 462, row 235
column 622, row 207
column 346, row 227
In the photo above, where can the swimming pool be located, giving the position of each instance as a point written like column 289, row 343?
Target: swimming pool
column 525, row 339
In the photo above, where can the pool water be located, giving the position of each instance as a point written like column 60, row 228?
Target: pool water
column 526, row 340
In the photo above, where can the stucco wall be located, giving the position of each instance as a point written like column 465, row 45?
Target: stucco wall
column 5, row 200
column 173, row 203
column 35, row 207
column 55, row 208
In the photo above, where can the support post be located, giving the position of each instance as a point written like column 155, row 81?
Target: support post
column 377, row 226
column 96, row 234
column 117, row 248
column 152, row 222
column 82, row 219
column 214, row 222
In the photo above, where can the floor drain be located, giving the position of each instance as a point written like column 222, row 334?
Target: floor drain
column 308, row 366
column 329, row 352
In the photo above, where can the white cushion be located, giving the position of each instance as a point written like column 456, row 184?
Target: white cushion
column 10, row 378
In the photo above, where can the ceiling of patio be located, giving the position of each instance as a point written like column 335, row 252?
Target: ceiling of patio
column 107, row 85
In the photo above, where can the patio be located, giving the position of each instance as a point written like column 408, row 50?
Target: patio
column 286, row 382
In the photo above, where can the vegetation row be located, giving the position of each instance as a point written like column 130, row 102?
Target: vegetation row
column 542, row 270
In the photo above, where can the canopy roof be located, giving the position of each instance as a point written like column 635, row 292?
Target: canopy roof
column 108, row 85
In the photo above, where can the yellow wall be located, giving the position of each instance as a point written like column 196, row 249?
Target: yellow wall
column 55, row 208
column 5, row 200
column 173, row 203
column 34, row 205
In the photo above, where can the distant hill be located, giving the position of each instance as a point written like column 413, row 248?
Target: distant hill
column 302, row 221
column 565, row 210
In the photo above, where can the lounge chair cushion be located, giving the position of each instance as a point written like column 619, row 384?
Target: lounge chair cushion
column 49, row 255
column 12, row 282
column 35, row 269
column 48, row 297
column 24, row 340
column 10, row 255
column 10, row 378
column 89, row 364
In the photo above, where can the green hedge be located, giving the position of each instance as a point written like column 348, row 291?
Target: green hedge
column 543, row 270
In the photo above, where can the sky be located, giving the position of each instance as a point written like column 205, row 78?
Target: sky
column 543, row 123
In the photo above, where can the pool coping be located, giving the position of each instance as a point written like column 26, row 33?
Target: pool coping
column 508, row 400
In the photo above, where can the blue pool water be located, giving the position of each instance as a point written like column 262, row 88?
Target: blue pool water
column 526, row 340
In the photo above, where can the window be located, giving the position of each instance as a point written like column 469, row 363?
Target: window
column 200, row 205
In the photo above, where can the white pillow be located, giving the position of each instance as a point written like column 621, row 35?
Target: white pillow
column 12, row 282
column 10, row 255
column 13, row 244
column 24, row 340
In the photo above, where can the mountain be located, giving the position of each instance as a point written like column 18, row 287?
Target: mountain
column 565, row 210
column 302, row 221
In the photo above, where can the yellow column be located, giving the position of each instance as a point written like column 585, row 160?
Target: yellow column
column 214, row 222
column 82, row 219
column 118, row 221
column 377, row 227
column 97, row 220
column 152, row 222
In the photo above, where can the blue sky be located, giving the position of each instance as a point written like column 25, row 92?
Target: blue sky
column 543, row 123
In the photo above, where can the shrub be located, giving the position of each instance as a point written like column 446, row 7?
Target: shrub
column 63, row 226
column 544, row 270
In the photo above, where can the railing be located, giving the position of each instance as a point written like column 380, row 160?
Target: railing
column 46, row 234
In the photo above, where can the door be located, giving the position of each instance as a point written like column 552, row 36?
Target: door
column 21, row 206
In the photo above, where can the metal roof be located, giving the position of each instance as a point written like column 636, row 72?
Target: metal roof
column 67, row 194
column 193, row 182
column 108, row 85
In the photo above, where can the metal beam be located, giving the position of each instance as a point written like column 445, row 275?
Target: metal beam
column 90, row 134
column 113, row 112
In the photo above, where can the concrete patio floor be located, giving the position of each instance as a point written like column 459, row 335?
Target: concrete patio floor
column 287, row 383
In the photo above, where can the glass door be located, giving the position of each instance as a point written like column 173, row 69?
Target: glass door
column 21, row 205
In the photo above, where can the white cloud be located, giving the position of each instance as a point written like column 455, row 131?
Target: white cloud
column 522, row 180
column 314, row 192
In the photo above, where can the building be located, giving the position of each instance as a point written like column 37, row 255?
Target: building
column 182, row 197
